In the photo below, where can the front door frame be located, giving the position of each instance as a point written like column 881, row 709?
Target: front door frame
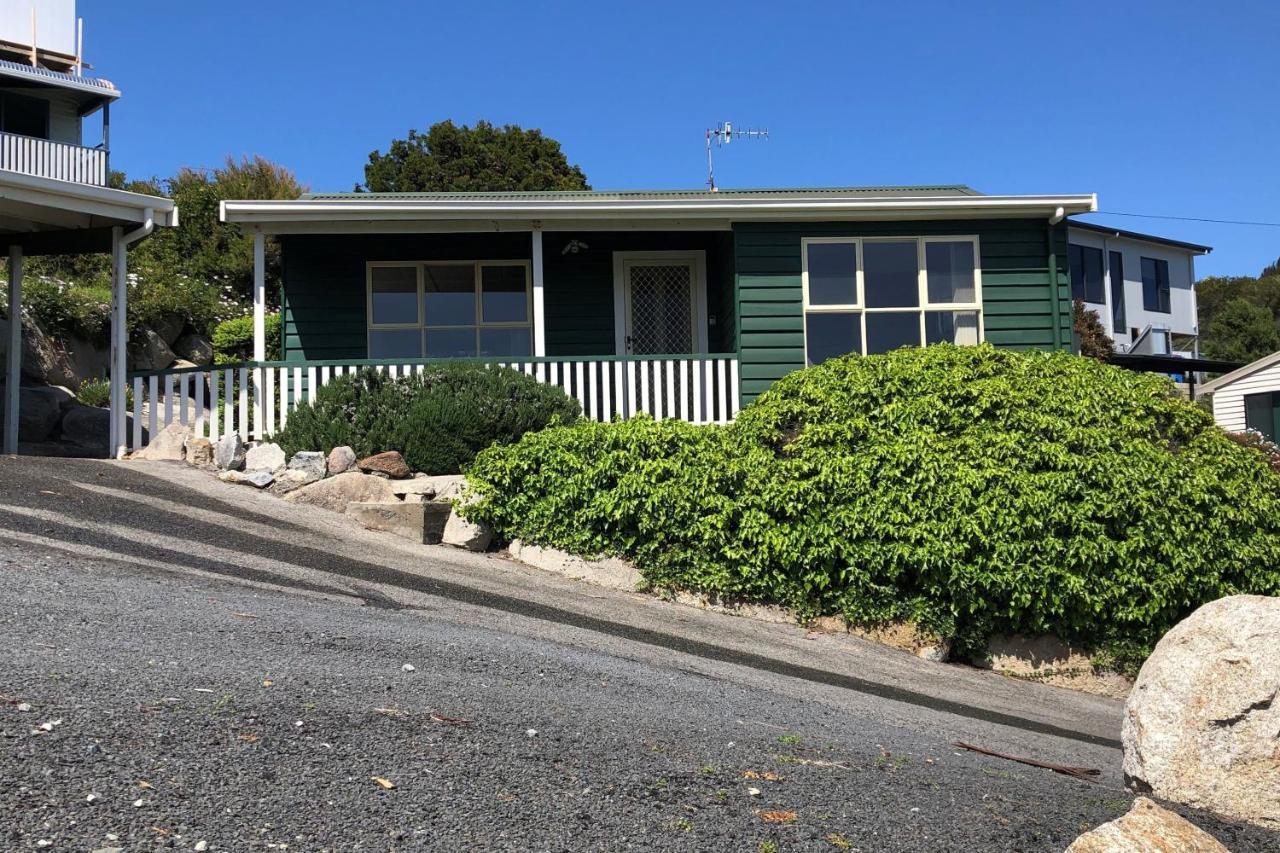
column 696, row 257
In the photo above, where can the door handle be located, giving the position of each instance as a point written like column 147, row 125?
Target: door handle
column 628, row 343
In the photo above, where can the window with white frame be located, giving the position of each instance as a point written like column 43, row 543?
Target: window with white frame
column 870, row 295
column 449, row 309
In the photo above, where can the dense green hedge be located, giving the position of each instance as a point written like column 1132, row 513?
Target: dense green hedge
column 438, row 419
column 233, row 339
column 972, row 490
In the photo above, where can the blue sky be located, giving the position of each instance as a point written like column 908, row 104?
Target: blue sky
column 1159, row 108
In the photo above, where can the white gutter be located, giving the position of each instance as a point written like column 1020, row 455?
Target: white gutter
column 382, row 208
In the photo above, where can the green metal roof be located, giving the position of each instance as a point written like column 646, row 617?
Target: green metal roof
column 948, row 190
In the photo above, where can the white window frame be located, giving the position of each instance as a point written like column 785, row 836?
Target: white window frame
column 423, row 325
column 924, row 306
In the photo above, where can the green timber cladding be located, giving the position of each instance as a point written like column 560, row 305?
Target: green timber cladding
column 324, row 310
column 1020, row 307
column 753, row 284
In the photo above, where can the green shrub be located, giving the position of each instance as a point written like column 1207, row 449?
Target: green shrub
column 94, row 392
column 233, row 339
column 972, row 490
column 438, row 419
column 64, row 308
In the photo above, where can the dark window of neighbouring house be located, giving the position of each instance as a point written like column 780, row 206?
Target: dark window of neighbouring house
column 1262, row 413
column 1086, row 274
column 25, row 116
column 1155, row 285
column 1117, row 290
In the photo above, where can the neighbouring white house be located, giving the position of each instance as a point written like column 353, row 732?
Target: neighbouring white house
column 1249, row 398
column 54, row 192
column 1142, row 287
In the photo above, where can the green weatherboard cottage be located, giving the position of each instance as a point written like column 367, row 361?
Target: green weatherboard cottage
column 679, row 303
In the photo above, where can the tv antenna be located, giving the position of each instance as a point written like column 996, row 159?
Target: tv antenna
column 723, row 135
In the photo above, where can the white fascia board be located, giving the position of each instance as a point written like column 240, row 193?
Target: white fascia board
column 1240, row 373
column 86, row 198
column 901, row 207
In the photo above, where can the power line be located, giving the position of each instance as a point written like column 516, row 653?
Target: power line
column 1188, row 218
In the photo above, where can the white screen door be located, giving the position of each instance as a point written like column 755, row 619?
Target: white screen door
column 660, row 308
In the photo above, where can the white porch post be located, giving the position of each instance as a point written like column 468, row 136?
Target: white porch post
column 119, row 342
column 259, row 297
column 539, row 312
column 13, row 375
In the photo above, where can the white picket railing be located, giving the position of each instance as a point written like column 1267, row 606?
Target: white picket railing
column 45, row 158
column 255, row 400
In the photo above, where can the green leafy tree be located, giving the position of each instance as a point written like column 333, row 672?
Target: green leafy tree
column 484, row 158
column 1228, row 328
column 1241, row 331
column 206, row 249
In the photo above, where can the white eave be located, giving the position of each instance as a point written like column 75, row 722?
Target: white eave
column 712, row 210
column 86, row 199
column 1240, row 373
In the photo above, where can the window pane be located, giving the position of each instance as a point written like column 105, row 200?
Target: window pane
column 829, row 334
column 1086, row 274
column 450, row 294
column 951, row 327
column 505, row 342
column 1155, row 285
column 451, row 343
column 889, row 331
column 890, row 275
column 395, row 343
column 395, row 295
column 833, row 269
column 502, row 295
column 1117, row 291
column 949, row 270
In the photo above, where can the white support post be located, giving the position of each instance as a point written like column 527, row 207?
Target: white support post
column 259, row 297
column 539, row 311
column 13, row 376
column 259, row 328
column 119, row 343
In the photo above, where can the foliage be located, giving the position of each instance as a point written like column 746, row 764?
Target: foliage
column 233, row 339
column 1094, row 340
column 972, row 490
column 1231, row 331
column 438, row 419
column 484, row 158
column 97, row 393
column 211, row 251
column 202, row 270
column 65, row 308
column 1241, row 331
column 1255, row 440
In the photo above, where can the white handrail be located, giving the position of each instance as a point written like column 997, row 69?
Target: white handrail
column 256, row 400
column 60, row 161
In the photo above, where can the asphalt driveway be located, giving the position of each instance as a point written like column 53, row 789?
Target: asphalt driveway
column 214, row 669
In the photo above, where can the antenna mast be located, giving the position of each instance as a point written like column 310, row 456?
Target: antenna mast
column 723, row 135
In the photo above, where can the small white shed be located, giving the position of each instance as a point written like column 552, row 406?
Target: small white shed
column 1248, row 398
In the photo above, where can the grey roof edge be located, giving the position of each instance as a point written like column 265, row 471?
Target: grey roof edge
column 1138, row 235
column 923, row 191
column 1236, row 375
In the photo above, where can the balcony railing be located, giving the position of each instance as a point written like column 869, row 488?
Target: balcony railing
column 45, row 158
column 255, row 399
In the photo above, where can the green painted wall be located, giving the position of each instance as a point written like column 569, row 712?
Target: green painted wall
column 324, row 284
column 1017, row 299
